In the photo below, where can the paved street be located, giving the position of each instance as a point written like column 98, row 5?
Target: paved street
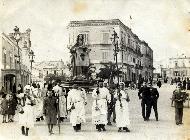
column 164, row 129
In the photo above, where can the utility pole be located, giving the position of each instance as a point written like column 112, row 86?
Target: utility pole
column 31, row 57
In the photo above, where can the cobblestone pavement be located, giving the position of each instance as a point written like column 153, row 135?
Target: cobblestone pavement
column 164, row 129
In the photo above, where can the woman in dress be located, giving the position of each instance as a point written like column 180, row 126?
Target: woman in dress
column 26, row 116
column 121, row 107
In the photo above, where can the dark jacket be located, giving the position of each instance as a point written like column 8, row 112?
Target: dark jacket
column 144, row 93
column 49, row 106
column 179, row 98
column 11, row 106
column 154, row 94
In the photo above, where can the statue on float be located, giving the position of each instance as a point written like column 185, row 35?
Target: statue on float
column 80, row 58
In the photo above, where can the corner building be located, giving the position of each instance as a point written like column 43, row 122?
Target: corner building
column 98, row 34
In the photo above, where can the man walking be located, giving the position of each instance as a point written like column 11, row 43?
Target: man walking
column 76, row 102
column 111, row 107
column 144, row 94
column 99, row 107
column 154, row 95
column 179, row 97
column 122, row 109
column 50, row 110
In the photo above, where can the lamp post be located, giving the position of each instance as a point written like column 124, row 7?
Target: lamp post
column 17, row 38
column 122, row 53
column 161, row 70
column 116, row 50
column 31, row 57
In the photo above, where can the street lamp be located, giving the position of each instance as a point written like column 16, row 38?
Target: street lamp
column 31, row 57
column 161, row 70
column 17, row 38
column 116, row 50
column 122, row 53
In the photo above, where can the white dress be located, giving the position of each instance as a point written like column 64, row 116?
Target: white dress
column 62, row 100
column 77, row 98
column 100, row 101
column 122, row 113
column 27, row 118
column 38, row 108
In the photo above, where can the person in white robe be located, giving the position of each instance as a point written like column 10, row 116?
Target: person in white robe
column 39, row 105
column 76, row 101
column 122, row 109
column 26, row 114
column 101, row 98
column 62, row 101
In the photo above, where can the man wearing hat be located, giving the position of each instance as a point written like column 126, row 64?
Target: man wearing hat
column 50, row 110
column 99, row 107
column 154, row 95
column 76, row 102
column 179, row 98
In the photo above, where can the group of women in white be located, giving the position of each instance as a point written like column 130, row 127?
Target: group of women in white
column 76, row 101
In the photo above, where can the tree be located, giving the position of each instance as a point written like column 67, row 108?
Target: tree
column 108, row 72
column 52, row 77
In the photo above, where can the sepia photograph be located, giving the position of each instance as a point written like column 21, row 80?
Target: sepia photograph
column 94, row 70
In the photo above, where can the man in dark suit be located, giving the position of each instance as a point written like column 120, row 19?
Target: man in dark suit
column 179, row 97
column 144, row 94
column 154, row 95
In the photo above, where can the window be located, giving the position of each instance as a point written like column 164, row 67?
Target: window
column 105, row 56
column 134, row 60
column 85, row 38
column 128, row 40
column 176, row 64
column 47, row 73
column 4, row 58
column 124, row 39
column 105, row 39
column 10, row 61
column 55, row 72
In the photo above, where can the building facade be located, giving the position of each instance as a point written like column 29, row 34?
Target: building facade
column 98, row 34
column 178, row 67
column 45, row 68
column 14, row 66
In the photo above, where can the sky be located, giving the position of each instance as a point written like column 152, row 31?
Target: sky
column 163, row 24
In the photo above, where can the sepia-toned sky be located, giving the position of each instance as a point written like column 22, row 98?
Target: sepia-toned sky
column 163, row 24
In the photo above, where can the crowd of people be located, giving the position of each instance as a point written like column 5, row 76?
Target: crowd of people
column 54, row 103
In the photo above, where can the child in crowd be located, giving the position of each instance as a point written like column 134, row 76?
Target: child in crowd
column 4, row 107
column 11, row 108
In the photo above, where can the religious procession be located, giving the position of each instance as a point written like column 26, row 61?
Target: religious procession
column 54, row 105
